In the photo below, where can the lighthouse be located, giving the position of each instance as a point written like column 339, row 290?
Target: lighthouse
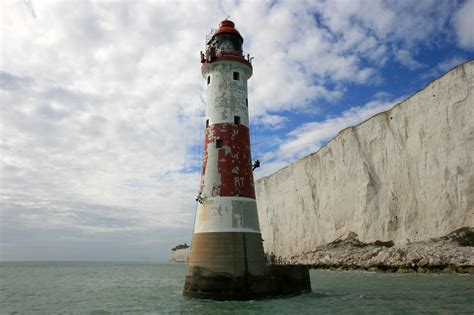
column 227, row 259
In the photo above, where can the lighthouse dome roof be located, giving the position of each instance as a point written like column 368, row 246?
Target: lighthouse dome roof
column 227, row 27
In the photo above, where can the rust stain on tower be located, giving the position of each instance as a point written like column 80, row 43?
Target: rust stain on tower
column 227, row 261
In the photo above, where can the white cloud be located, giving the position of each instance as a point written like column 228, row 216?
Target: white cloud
column 96, row 99
column 272, row 121
column 464, row 24
column 406, row 59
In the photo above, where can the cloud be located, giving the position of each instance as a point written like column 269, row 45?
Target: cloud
column 309, row 46
column 405, row 58
column 272, row 121
column 10, row 81
column 46, row 229
column 464, row 24
column 89, row 106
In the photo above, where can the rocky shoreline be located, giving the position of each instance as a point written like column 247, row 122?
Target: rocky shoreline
column 453, row 253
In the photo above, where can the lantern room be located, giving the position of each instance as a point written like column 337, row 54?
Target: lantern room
column 223, row 43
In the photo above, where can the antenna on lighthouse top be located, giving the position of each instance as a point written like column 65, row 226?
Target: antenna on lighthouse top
column 227, row 18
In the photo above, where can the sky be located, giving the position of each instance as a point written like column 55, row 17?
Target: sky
column 102, row 105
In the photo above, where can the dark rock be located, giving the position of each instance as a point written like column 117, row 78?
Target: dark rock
column 382, row 243
column 449, row 269
column 463, row 236
column 422, row 270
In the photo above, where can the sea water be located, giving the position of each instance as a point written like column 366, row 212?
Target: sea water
column 155, row 288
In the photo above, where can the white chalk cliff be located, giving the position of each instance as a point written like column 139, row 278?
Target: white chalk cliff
column 180, row 255
column 404, row 174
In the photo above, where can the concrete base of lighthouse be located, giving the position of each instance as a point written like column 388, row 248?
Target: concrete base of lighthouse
column 231, row 266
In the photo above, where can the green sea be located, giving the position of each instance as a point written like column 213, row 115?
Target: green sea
column 155, row 288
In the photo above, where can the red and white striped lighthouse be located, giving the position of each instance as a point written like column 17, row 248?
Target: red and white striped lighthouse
column 227, row 259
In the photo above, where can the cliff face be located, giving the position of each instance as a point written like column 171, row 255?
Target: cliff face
column 404, row 174
column 180, row 255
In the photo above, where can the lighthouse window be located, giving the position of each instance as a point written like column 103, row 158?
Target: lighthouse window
column 247, row 102
column 219, row 143
column 237, row 120
column 208, row 79
column 207, row 123
column 236, row 76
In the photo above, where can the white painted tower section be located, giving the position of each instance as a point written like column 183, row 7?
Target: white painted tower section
column 226, row 97
column 227, row 214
